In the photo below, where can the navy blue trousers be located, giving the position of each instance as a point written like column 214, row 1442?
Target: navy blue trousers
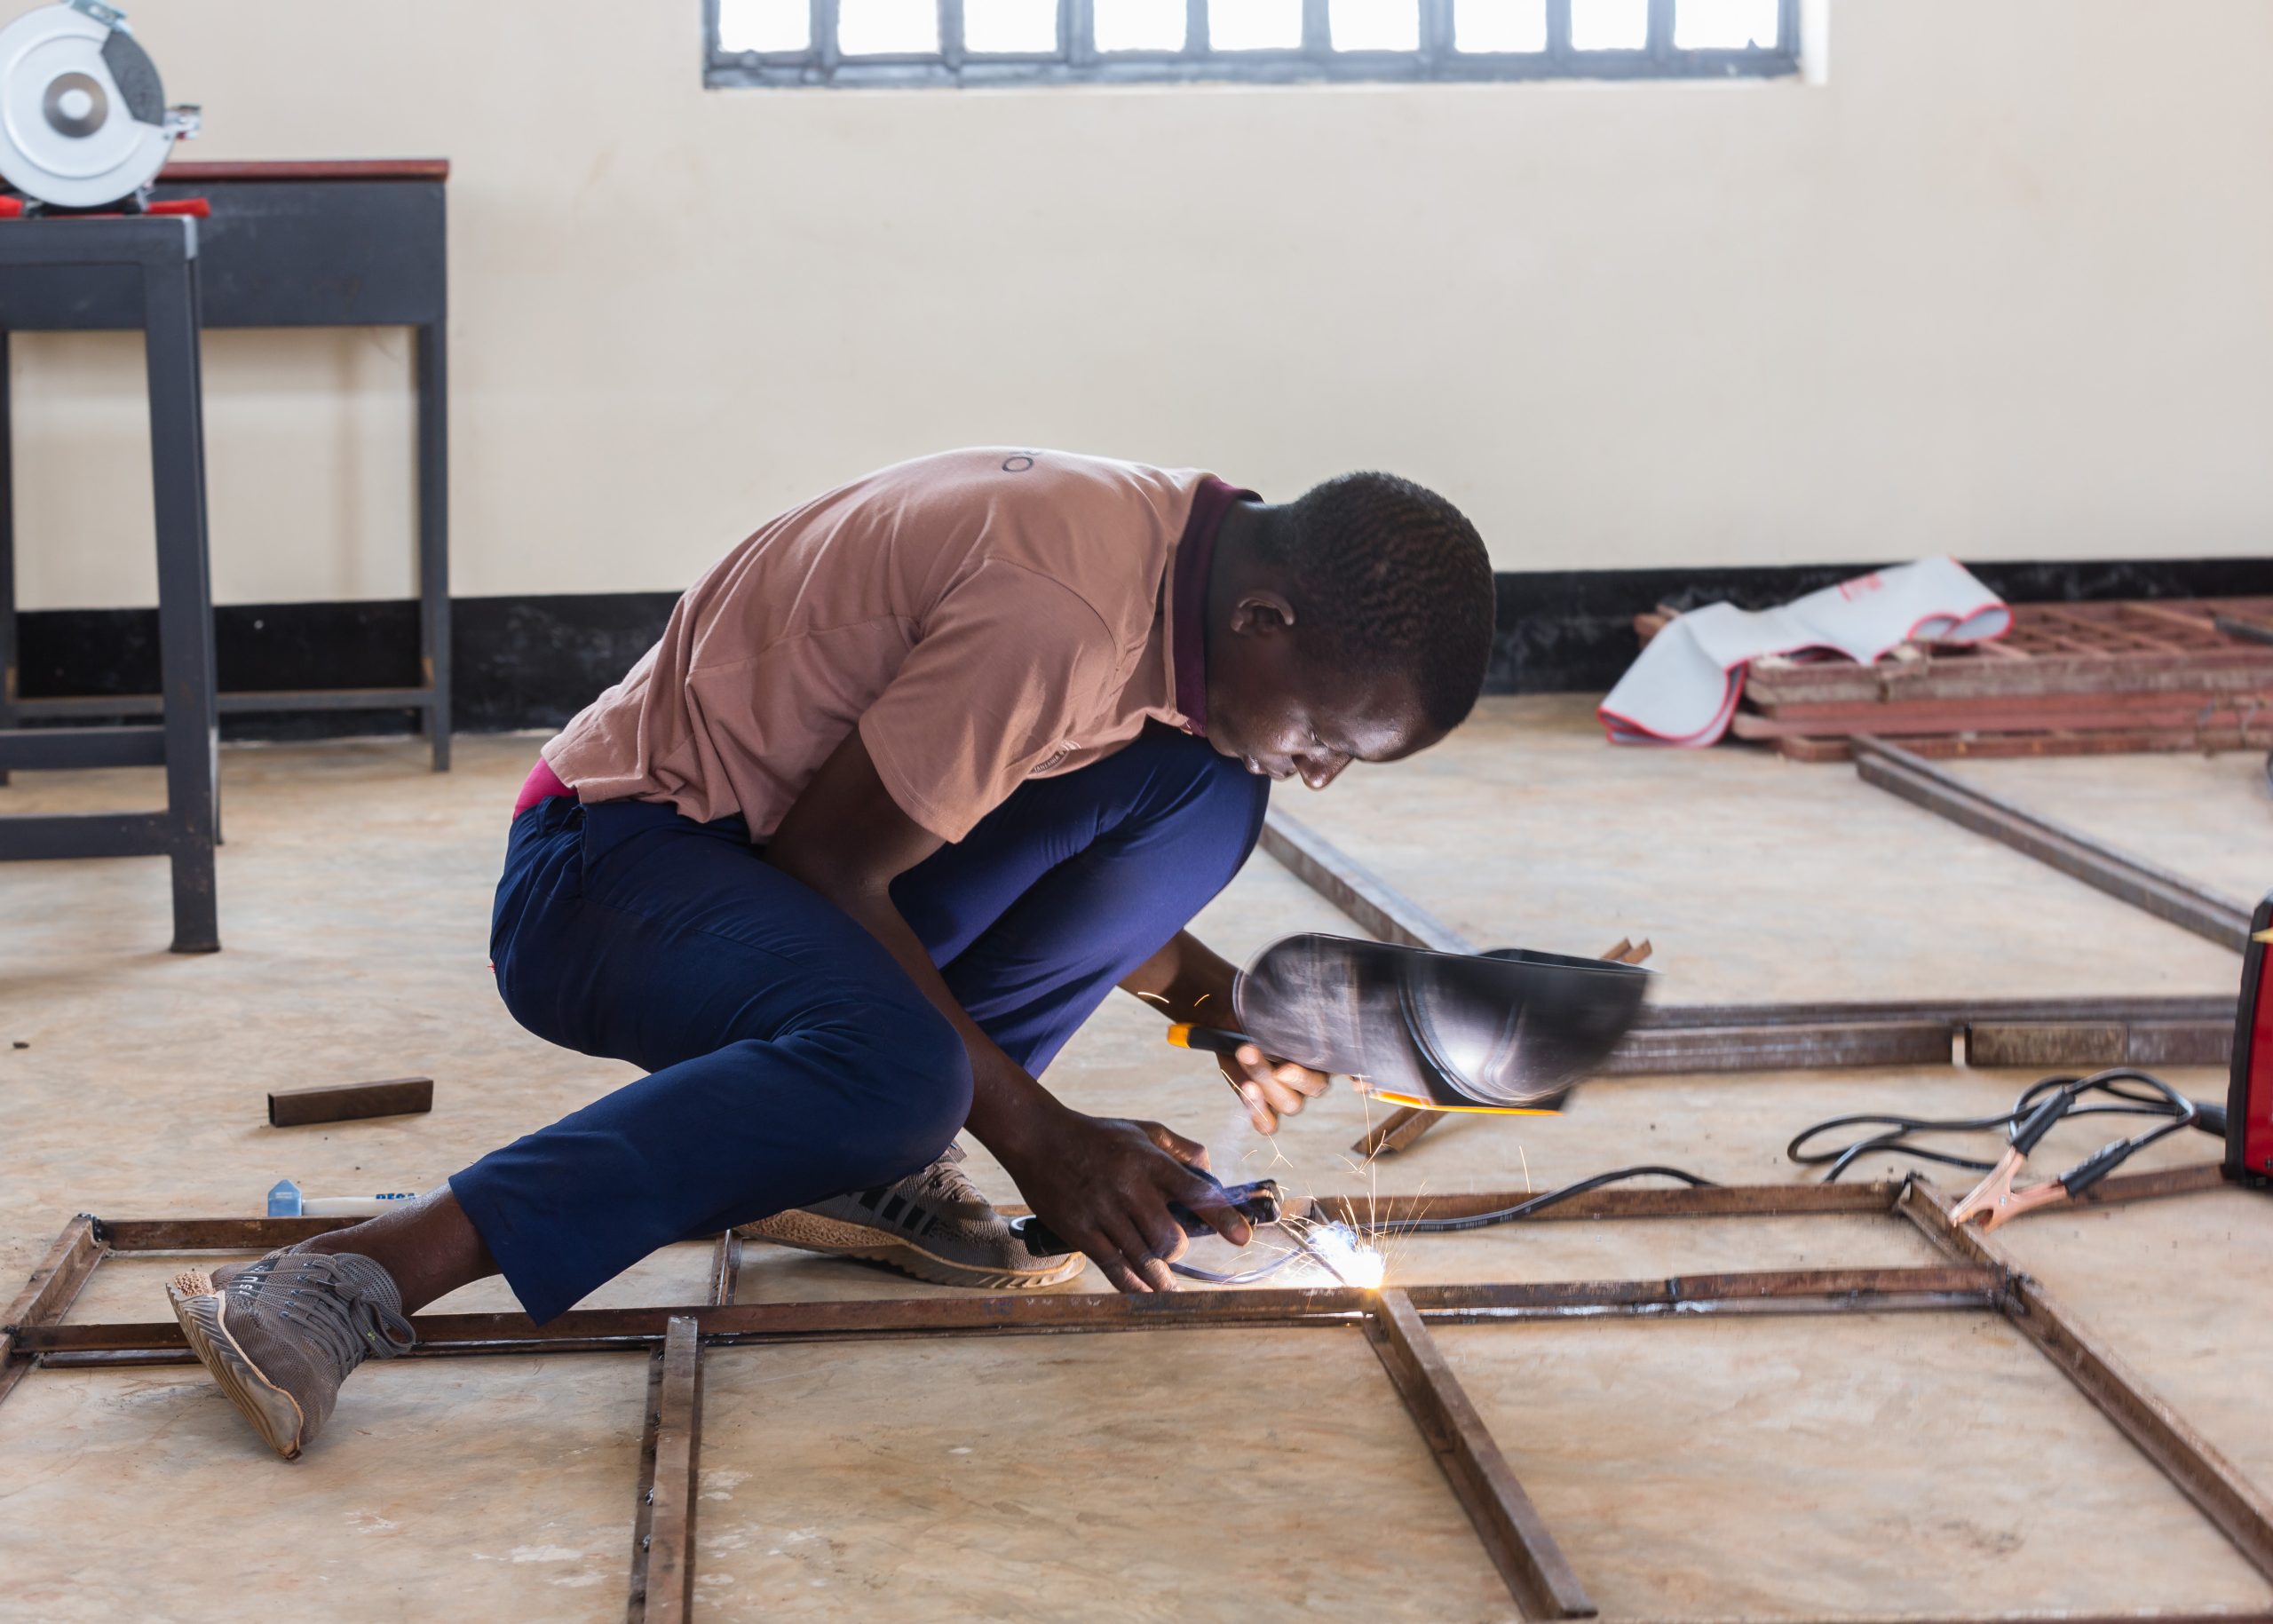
column 790, row 1057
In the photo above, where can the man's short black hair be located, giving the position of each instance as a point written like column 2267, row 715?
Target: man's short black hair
column 1399, row 584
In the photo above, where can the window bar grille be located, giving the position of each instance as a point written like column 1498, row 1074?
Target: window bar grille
column 1074, row 58
column 951, row 36
column 1435, row 34
column 824, row 40
column 1558, row 35
column 1661, row 41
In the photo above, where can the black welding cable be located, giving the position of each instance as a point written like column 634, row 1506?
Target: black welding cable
column 1449, row 1226
column 1524, row 1209
column 2152, row 1097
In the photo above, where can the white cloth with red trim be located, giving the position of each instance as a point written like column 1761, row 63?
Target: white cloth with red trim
column 1684, row 688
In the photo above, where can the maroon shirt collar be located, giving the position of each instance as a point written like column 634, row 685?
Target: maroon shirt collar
column 1188, row 596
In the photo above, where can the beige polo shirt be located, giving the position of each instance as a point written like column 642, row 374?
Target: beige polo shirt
column 983, row 616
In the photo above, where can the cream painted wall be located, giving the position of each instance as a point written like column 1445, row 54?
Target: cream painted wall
column 2001, row 285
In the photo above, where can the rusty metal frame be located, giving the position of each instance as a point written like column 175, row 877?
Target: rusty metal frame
column 1396, row 1322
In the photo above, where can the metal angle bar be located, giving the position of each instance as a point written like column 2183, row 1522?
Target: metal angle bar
column 2118, row 1188
column 2127, row 878
column 1796, row 1046
column 2052, row 1045
column 1537, row 1573
column 643, row 1519
column 48, row 1294
column 1356, row 889
column 725, row 1268
column 1685, row 1202
column 669, row 1577
column 2241, row 1512
column 603, row 1327
column 1955, row 1012
column 214, row 1234
column 1709, row 1200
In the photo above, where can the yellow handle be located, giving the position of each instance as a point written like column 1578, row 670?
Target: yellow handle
column 1430, row 1105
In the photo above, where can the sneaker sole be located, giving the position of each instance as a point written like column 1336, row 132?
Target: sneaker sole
column 274, row 1413
column 809, row 1232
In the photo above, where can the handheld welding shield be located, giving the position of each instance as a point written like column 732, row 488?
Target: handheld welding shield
column 1507, row 1030
column 2249, row 1099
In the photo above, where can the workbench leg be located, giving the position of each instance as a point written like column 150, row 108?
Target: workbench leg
column 184, row 598
column 8, row 678
column 434, row 535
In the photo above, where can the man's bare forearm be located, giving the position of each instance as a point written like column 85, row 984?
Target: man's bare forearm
column 1186, row 981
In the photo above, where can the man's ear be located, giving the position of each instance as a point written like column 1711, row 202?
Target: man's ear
column 1261, row 611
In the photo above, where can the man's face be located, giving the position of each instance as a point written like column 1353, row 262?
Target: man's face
column 1286, row 716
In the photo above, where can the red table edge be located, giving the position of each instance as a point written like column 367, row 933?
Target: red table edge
column 185, row 172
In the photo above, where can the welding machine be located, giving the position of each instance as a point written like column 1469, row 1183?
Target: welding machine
column 2249, row 1102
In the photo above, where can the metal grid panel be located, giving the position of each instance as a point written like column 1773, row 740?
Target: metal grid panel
column 1076, row 59
column 1978, row 1277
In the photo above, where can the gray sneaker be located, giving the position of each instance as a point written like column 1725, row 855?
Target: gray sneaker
column 933, row 1224
column 280, row 1335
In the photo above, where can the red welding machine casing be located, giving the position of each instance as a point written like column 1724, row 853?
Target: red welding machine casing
column 2249, row 1105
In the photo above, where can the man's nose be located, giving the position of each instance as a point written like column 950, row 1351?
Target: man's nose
column 1319, row 771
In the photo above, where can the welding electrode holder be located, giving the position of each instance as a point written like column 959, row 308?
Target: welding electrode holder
column 1259, row 1203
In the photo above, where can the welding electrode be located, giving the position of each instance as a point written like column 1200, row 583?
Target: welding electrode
column 1258, row 1203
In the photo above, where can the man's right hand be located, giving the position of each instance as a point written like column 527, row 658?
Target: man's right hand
column 1105, row 1183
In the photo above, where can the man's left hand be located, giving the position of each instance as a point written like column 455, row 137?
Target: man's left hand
column 1270, row 1089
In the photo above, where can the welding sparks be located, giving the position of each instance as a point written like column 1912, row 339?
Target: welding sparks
column 1337, row 1248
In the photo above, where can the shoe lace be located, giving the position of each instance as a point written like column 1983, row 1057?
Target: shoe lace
column 343, row 1301
column 944, row 1182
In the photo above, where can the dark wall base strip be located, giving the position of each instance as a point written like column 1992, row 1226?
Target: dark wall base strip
column 536, row 661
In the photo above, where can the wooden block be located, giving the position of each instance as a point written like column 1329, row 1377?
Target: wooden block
column 345, row 1102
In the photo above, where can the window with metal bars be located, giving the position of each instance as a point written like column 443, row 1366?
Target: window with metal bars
column 914, row 42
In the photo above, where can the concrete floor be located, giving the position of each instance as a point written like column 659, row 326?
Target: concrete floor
column 1763, row 1470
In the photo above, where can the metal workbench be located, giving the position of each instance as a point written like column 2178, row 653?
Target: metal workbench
column 358, row 243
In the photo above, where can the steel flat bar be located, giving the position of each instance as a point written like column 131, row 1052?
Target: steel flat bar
column 1386, row 913
column 1090, row 1313
column 2127, row 878
column 2203, row 1475
column 48, row 1294
column 1537, row 1573
column 669, row 1578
